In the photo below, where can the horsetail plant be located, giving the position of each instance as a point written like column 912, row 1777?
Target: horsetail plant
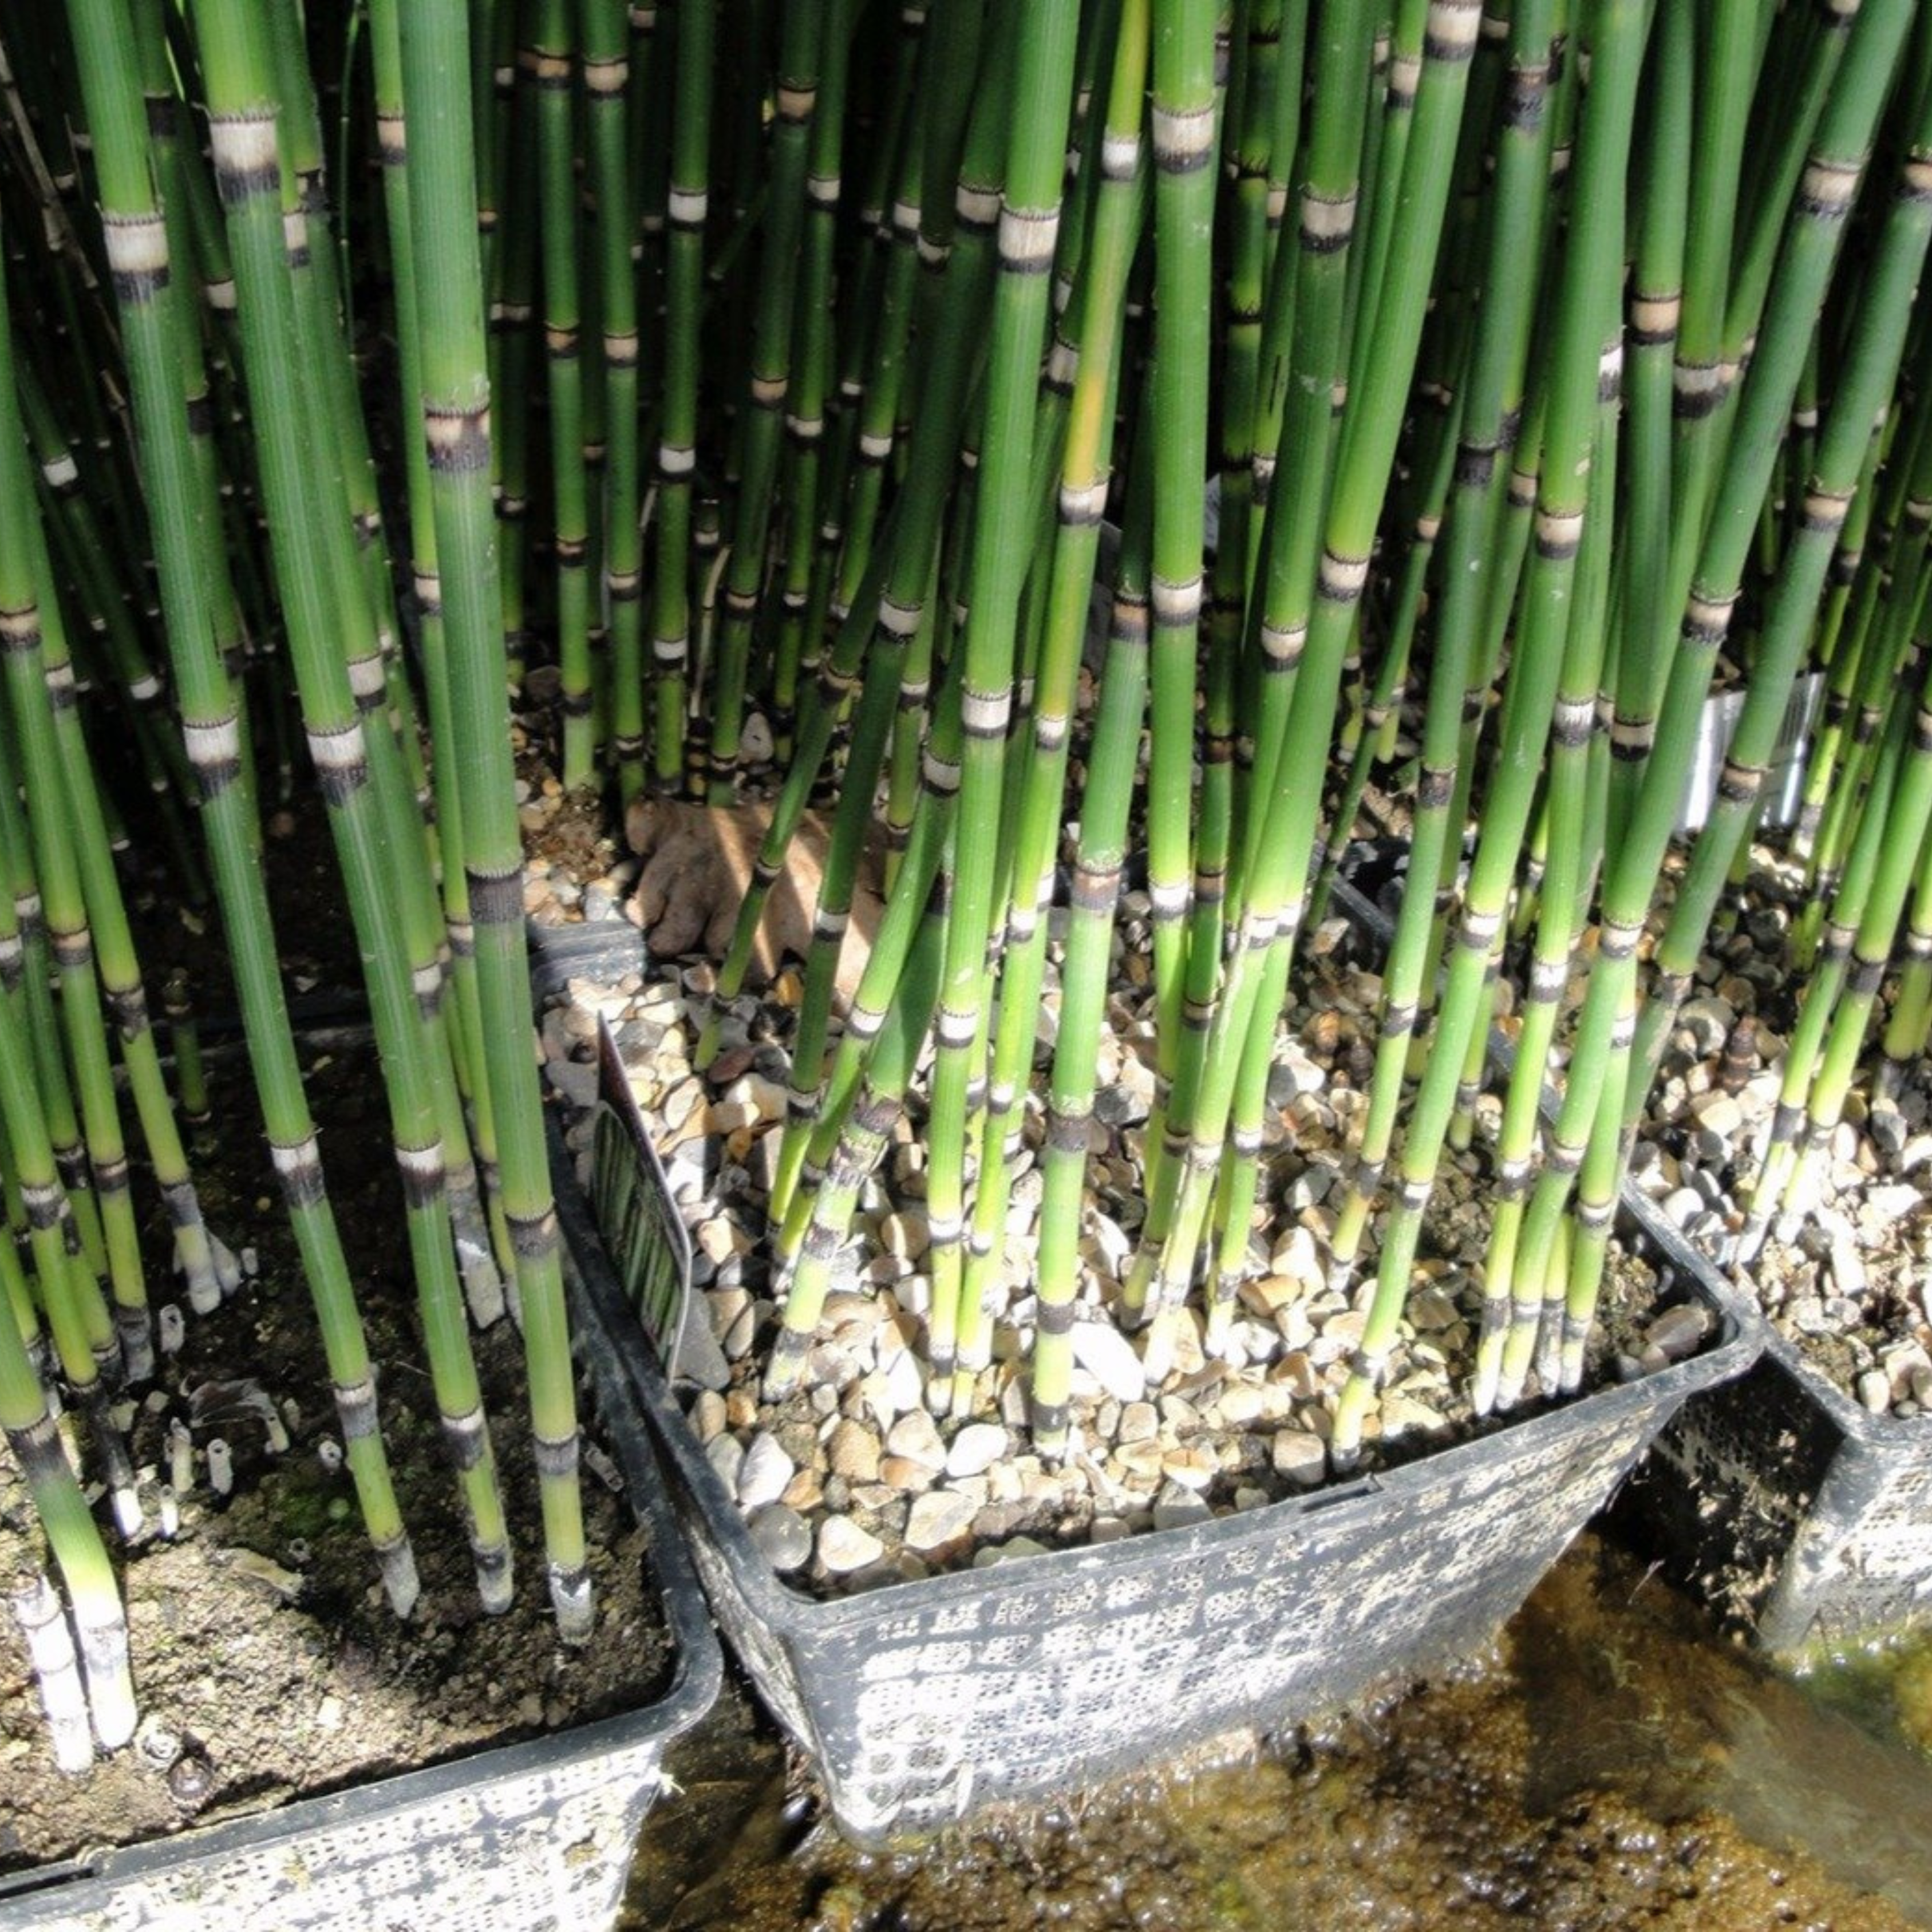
column 1550, row 366
column 454, row 422
column 148, row 298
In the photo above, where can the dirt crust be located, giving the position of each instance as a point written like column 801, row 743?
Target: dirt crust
column 266, row 1663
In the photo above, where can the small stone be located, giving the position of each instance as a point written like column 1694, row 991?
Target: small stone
column 1807, row 1314
column 1112, row 1247
column 576, row 1080
column 975, row 1449
column 708, row 1416
column 681, row 1103
column 719, row 1239
column 1901, row 1362
column 765, row 1473
column 1297, row 1257
column 764, row 1161
column 1140, row 1461
column 915, row 1436
column 726, row 1454
column 157, row 1744
column 873, row 1397
column 852, row 1451
column 1268, row 1294
column 1301, row 1456
column 1191, row 1468
column 843, row 1547
column 1292, row 1074
column 1241, row 1404
column 1176, row 1507
column 725, row 1305
column 1708, row 1021
column 1719, row 1112
column 1294, row 1325
column 1848, row 1268
column 1013, row 1550
column 904, row 1382
column 905, row 1234
column 1140, row 1422
column 1875, row 1391
column 754, row 739
column 939, row 1518
column 1298, row 1372
column 765, row 1096
column 1401, row 1414
column 1678, row 1332
column 737, row 1340
column 1127, row 1102
column 782, row 1536
column 1107, row 1355
column 1683, row 1205
column 1310, row 1189
column 1340, row 1336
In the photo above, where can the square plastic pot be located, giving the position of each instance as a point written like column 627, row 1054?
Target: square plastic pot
column 535, row 1837
column 1804, row 1517
column 918, row 1702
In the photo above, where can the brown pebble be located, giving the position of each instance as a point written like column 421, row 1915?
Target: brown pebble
column 729, row 1064
column 852, row 1450
column 1740, row 1057
column 190, row 1779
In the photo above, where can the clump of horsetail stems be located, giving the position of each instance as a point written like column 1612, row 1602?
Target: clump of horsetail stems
column 1570, row 623
column 452, row 416
column 1553, row 363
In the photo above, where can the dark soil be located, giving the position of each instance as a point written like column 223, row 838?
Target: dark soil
column 266, row 1663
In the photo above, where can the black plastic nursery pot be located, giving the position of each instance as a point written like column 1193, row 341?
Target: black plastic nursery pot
column 1793, row 1511
column 921, row 1701
column 534, row 1837
column 1802, row 1515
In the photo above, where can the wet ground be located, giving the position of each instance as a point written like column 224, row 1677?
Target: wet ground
column 1615, row 1765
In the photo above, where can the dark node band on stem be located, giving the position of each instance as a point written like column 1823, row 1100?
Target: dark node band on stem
column 355, row 1410
column 298, row 1167
column 423, row 1173
column 533, row 1238
column 73, row 948
column 496, row 898
column 457, row 440
column 247, row 156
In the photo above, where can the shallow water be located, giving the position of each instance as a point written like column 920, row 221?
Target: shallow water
column 1615, row 1765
